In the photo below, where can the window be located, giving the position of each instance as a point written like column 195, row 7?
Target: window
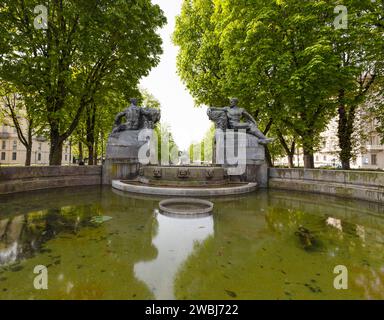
column 39, row 157
column 373, row 159
column 14, row 147
column 3, row 156
column 40, row 146
column 325, row 158
column 66, row 158
column 317, row 158
column 14, row 156
column 4, row 145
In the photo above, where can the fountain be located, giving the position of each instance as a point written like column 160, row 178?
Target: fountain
column 131, row 157
column 188, row 207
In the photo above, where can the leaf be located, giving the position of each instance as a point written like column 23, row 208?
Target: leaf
column 100, row 219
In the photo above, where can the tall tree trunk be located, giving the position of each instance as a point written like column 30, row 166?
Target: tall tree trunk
column 309, row 161
column 96, row 151
column 290, row 161
column 345, row 131
column 56, row 147
column 81, row 153
column 55, row 151
column 290, row 151
column 268, row 157
column 28, row 157
column 90, row 154
column 91, row 119
column 28, row 146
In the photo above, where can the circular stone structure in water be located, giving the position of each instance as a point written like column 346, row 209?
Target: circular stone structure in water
column 185, row 207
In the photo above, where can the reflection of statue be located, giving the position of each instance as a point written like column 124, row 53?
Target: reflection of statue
column 136, row 118
column 230, row 118
column 173, row 250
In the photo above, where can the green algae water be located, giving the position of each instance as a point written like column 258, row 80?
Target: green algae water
column 98, row 243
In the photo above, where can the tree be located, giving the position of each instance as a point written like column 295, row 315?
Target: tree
column 149, row 100
column 374, row 22
column 88, row 46
column 359, row 69
column 17, row 108
column 199, row 58
column 279, row 57
column 163, row 130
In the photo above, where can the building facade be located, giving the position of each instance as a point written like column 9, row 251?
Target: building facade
column 13, row 152
column 369, row 152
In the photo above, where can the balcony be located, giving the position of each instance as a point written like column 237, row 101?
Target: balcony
column 5, row 135
column 41, row 139
column 375, row 147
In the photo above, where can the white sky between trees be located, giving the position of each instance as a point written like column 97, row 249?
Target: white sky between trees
column 187, row 123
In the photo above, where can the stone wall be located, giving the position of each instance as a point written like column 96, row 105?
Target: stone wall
column 364, row 185
column 20, row 179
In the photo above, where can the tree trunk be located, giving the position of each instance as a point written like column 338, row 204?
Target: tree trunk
column 309, row 162
column 91, row 119
column 96, row 151
column 28, row 157
column 29, row 145
column 56, row 147
column 290, row 161
column 55, row 153
column 81, row 155
column 90, row 154
column 289, row 151
column 268, row 157
column 345, row 131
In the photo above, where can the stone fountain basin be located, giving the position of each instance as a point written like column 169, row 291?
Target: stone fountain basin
column 185, row 207
column 201, row 191
column 182, row 175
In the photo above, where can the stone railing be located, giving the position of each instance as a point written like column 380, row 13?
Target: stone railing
column 364, row 185
column 20, row 179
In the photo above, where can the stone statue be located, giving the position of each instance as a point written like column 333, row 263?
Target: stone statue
column 230, row 118
column 136, row 118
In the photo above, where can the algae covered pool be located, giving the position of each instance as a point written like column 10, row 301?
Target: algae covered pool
column 98, row 243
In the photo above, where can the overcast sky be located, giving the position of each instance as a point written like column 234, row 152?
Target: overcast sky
column 188, row 123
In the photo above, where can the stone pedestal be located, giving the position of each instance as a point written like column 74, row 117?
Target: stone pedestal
column 253, row 168
column 122, row 157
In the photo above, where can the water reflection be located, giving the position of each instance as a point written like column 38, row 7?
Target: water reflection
column 175, row 240
column 22, row 236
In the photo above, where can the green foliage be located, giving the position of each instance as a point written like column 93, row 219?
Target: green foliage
column 149, row 100
column 284, row 60
column 199, row 59
column 90, row 47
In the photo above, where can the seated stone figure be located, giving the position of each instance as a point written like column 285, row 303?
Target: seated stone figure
column 150, row 117
column 136, row 118
column 231, row 118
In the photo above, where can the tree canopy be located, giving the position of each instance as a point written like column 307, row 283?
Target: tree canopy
column 87, row 47
column 287, row 61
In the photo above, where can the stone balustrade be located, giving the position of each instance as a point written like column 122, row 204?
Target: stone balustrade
column 21, row 179
column 363, row 185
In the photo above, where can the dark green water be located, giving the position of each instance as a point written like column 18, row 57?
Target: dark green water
column 266, row 245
